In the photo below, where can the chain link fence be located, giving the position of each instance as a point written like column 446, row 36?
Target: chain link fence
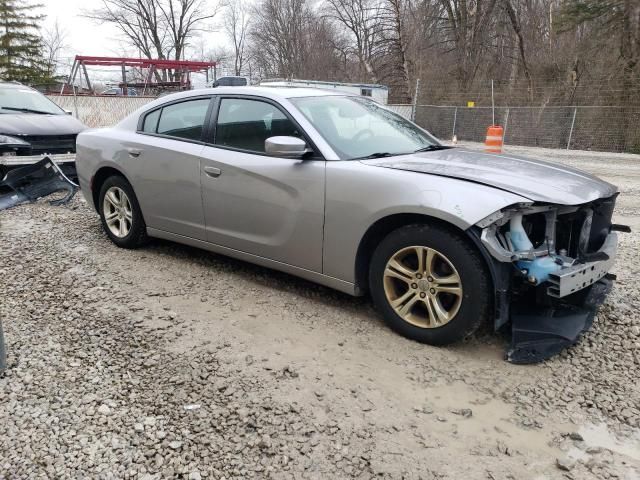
column 609, row 129
column 99, row 111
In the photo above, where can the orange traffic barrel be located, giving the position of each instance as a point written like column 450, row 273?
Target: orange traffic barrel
column 493, row 143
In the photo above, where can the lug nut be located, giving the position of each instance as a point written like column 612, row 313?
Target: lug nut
column 432, row 290
column 422, row 295
column 430, row 279
column 414, row 285
column 419, row 276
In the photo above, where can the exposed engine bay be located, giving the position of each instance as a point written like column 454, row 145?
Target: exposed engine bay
column 551, row 265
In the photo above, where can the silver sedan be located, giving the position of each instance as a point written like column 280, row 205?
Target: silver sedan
column 340, row 190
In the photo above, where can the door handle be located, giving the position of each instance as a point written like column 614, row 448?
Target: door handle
column 134, row 152
column 212, row 171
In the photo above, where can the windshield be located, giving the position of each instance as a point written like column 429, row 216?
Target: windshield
column 24, row 100
column 356, row 127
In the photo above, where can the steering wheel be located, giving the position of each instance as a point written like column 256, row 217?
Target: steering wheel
column 362, row 133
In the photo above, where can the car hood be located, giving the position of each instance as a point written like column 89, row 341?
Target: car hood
column 35, row 124
column 536, row 180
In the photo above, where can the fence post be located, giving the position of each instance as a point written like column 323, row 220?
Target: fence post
column 455, row 120
column 75, row 101
column 504, row 129
column 573, row 121
column 3, row 352
column 415, row 101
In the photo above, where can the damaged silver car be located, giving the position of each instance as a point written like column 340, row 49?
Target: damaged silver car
column 339, row 190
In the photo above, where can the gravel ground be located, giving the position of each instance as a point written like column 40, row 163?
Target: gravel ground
column 171, row 362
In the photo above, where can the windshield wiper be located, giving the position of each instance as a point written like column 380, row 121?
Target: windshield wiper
column 27, row 110
column 375, row 155
column 432, row 148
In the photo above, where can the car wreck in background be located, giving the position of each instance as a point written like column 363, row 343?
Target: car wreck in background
column 32, row 127
column 37, row 147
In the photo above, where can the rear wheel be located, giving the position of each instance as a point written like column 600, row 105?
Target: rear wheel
column 430, row 284
column 120, row 213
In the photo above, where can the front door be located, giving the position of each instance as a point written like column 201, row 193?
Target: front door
column 256, row 203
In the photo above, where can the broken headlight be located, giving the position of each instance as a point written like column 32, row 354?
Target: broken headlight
column 11, row 145
column 526, row 235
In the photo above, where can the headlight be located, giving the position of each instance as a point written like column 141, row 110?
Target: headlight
column 6, row 140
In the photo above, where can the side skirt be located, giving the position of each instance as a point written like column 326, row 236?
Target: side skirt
column 327, row 281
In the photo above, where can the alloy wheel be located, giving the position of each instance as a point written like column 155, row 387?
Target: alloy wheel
column 116, row 208
column 422, row 286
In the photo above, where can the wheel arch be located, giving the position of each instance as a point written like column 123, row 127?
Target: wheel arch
column 98, row 180
column 385, row 225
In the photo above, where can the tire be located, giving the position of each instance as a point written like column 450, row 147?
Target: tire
column 122, row 200
column 430, row 307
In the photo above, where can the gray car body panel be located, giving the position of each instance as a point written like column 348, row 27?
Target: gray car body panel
column 553, row 183
column 307, row 217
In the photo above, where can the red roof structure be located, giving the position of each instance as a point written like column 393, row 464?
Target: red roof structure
column 156, row 74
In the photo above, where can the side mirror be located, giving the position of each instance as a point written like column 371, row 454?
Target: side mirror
column 285, row 147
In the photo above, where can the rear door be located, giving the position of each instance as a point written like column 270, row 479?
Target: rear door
column 166, row 166
column 255, row 203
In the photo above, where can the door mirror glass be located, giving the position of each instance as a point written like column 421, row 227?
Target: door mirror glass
column 285, row 147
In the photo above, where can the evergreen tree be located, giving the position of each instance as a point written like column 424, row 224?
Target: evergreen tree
column 21, row 46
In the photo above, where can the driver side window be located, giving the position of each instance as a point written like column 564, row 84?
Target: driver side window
column 246, row 124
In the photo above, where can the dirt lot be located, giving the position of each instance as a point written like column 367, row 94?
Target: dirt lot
column 171, row 362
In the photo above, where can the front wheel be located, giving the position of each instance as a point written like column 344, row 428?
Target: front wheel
column 430, row 284
column 120, row 213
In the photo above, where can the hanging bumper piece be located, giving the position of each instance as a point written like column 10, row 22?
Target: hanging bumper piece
column 32, row 182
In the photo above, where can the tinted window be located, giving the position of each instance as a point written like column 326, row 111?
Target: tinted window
column 151, row 122
column 246, row 124
column 184, row 120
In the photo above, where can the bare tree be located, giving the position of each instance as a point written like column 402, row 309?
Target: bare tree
column 236, row 27
column 182, row 19
column 140, row 22
column 277, row 36
column 466, row 24
column 53, row 41
column 360, row 18
column 516, row 25
column 393, row 47
column 157, row 28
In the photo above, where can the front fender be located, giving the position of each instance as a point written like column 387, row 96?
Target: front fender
column 360, row 195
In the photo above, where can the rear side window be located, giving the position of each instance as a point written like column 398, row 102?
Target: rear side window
column 150, row 123
column 181, row 120
column 246, row 124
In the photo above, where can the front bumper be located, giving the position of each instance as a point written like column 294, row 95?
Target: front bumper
column 19, row 161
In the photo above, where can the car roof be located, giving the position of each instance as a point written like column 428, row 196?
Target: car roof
column 14, row 85
column 275, row 93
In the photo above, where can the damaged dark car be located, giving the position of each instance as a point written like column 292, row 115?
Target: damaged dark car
column 33, row 127
column 37, row 147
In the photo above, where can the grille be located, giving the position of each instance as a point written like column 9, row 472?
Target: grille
column 41, row 144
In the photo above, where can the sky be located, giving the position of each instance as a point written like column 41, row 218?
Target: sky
column 86, row 37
